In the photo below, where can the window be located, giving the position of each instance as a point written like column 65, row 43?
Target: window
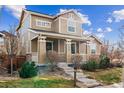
column 41, row 23
column 49, row 45
column 93, row 48
column 71, row 26
column 73, row 48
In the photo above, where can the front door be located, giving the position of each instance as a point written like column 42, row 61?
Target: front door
column 49, row 46
column 73, row 47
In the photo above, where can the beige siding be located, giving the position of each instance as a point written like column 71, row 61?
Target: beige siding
column 34, row 26
column 64, row 28
column 34, row 45
column 56, row 25
column 62, row 46
column 82, row 48
column 66, row 15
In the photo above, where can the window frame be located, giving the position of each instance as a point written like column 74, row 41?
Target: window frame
column 37, row 20
column 48, row 41
column 92, row 48
column 75, row 47
column 71, row 26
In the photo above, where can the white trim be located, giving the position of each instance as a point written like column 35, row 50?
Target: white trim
column 38, row 20
column 34, row 37
column 30, row 21
column 59, row 25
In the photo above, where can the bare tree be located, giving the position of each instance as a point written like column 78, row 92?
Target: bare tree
column 12, row 45
column 121, row 47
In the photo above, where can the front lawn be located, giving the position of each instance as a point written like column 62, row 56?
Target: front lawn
column 38, row 82
column 106, row 76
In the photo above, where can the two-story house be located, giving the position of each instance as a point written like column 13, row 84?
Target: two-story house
column 62, row 33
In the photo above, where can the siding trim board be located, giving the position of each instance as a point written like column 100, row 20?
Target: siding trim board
column 61, row 35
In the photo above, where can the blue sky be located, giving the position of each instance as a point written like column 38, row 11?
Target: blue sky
column 102, row 21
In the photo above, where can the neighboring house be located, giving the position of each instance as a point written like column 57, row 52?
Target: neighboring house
column 62, row 33
column 2, row 35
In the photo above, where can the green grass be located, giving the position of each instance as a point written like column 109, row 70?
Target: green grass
column 38, row 82
column 106, row 76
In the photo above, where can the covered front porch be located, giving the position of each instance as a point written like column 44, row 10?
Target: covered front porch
column 65, row 48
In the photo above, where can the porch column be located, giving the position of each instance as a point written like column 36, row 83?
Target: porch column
column 68, row 50
column 41, row 49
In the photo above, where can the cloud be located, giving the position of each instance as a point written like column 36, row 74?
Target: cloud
column 15, row 10
column 109, row 20
column 62, row 10
column 108, row 29
column 118, row 15
column 84, row 17
column 88, row 32
column 99, row 30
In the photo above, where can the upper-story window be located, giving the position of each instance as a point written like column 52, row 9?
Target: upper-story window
column 71, row 26
column 93, row 48
column 42, row 23
column 70, row 15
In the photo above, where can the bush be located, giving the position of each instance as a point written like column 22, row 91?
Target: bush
column 104, row 62
column 28, row 70
column 52, row 58
column 90, row 65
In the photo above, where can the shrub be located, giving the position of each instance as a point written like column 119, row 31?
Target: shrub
column 28, row 70
column 94, row 57
column 52, row 58
column 76, row 59
column 91, row 65
column 104, row 62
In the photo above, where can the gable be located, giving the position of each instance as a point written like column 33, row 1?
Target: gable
column 71, row 14
column 95, row 39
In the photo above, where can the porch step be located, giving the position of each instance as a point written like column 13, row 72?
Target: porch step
column 82, row 79
column 61, row 58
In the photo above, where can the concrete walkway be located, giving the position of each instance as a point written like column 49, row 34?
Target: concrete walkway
column 82, row 80
column 116, row 85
